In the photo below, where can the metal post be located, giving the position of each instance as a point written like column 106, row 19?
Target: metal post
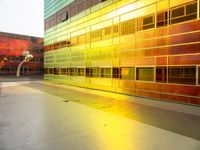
column 19, row 68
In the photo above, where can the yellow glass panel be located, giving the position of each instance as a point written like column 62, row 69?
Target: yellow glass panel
column 162, row 5
column 108, row 8
column 177, row 2
column 127, row 8
column 143, row 3
column 124, row 71
column 146, row 11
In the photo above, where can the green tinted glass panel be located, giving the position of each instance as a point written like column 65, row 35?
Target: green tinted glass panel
column 73, row 71
column 191, row 8
column 148, row 20
column 64, row 71
column 177, row 12
column 81, row 71
column 127, row 73
column 95, row 72
column 106, row 72
column 145, row 74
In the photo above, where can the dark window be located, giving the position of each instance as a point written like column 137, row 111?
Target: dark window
column 161, row 74
column 35, row 59
column 177, row 12
column 4, row 70
column 106, row 72
column 92, row 72
column 95, row 72
column 191, row 11
column 102, row 0
column 184, row 13
column 46, row 71
column 56, row 71
column 162, row 18
column 12, row 58
column 81, row 71
column 51, row 70
column 148, row 22
column 182, row 75
column 145, row 74
column 11, row 69
column 68, row 71
column 64, row 71
column 127, row 73
column 73, row 71
column 191, row 8
column 115, row 73
column 88, row 72
column 144, row 23
column 55, row 45
column 60, row 44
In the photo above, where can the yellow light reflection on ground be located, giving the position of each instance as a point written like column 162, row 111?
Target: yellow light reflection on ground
column 117, row 133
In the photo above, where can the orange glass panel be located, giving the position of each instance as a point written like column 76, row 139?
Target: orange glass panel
column 161, row 61
column 184, row 60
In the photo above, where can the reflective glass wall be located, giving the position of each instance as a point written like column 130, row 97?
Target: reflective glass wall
column 137, row 47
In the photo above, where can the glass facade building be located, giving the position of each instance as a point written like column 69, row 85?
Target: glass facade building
column 12, row 47
column 146, row 48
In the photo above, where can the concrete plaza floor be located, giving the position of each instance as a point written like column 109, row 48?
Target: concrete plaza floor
column 38, row 115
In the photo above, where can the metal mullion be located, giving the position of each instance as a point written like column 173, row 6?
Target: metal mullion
column 155, row 17
column 197, row 75
column 169, row 14
column 198, row 2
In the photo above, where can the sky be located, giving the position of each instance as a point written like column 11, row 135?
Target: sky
column 22, row 17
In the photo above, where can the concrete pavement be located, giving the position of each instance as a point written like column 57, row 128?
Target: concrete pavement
column 37, row 115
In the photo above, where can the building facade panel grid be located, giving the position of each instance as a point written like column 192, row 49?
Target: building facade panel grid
column 142, row 48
